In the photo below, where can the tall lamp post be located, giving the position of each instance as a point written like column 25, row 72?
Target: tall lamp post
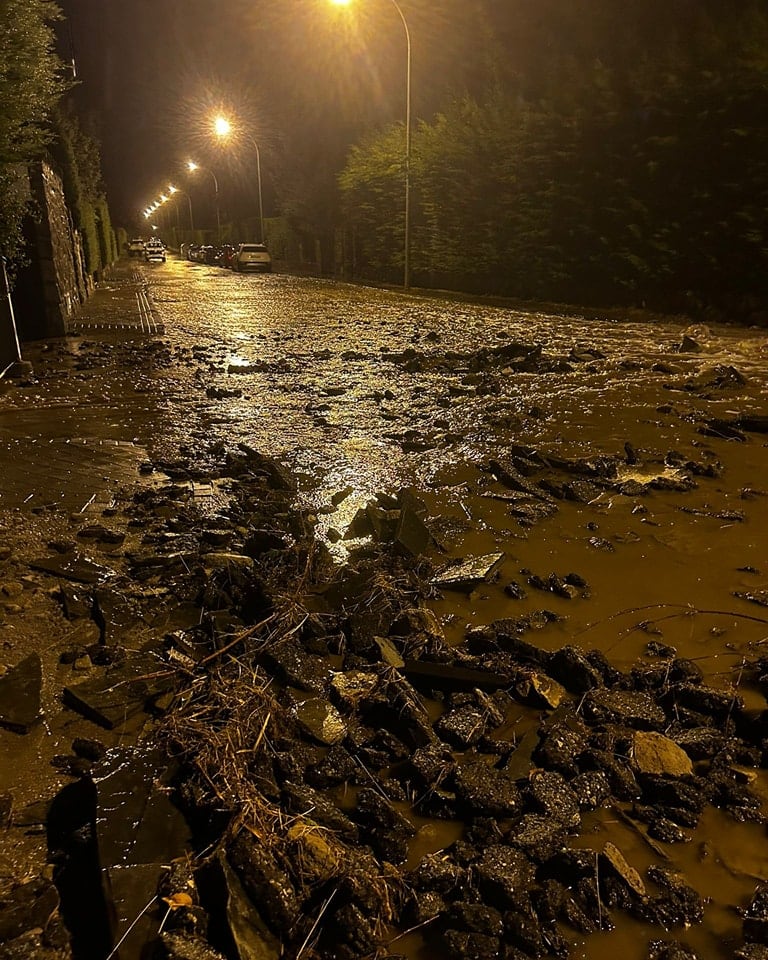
column 172, row 190
column 407, row 237
column 192, row 166
column 223, row 129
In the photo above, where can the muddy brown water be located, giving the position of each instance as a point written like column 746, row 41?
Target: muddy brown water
column 303, row 370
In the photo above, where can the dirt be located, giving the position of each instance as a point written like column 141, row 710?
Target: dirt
column 615, row 478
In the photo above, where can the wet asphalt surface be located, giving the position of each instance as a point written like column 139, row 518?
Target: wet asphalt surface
column 363, row 391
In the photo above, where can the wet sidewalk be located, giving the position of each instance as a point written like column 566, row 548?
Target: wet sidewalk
column 120, row 303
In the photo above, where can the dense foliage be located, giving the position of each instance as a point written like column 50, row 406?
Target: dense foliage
column 618, row 154
column 30, row 85
column 79, row 160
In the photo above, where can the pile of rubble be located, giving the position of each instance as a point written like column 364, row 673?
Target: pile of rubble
column 312, row 712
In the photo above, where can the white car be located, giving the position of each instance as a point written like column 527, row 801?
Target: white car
column 136, row 247
column 252, row 256
column 154, row 250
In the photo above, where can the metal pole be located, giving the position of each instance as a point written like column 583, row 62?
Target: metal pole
column 191, row 221
column 218, row 213
column 407, row 240
column 258, row 177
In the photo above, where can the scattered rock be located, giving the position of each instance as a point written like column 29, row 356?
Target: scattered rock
column 20, row 691
column 656, row 754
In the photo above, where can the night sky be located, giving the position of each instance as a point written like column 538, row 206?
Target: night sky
column 303, row 77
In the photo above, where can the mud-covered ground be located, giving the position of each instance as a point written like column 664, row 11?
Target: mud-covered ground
column 614, row 471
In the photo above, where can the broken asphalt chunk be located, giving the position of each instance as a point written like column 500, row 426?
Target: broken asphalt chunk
column 321, row 720
column 72, row 567
column 465, row 575
column 124, row 690
column 20, row 695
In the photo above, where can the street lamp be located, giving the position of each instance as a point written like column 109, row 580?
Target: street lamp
column 223, row 129
column 172, row 190
column 192, row 166
column 407, row 238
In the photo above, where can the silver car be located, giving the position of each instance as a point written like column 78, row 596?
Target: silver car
column 252, row 256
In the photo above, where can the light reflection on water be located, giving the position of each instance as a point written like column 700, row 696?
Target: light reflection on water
column 331, row 404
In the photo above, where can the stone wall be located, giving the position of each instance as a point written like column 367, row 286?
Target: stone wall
column 52, row 286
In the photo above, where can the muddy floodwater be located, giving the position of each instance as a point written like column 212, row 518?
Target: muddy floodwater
column 363, row 392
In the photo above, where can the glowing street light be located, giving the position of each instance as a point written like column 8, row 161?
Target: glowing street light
column 192, row 167
column 407, row 238
column 223, row 129
column 172, row 190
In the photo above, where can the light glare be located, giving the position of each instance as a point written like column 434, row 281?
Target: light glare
column 222, row 127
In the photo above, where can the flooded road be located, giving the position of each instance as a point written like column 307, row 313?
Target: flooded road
column 368, row 391
column 630, row 454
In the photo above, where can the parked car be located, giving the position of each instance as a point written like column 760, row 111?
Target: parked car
column 154, row 250
column 252, row 256
column 136, row 247
column 192, row 251
column 226, row 255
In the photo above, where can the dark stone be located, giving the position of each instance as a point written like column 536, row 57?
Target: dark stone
column 668, row 832
column 570, row 666
column 20, row 695
column 485, row 790
column 92, row 750
column 461, row 945
column 752, row 951
column 397, row 707
column 700, row 743
column 265, row 883
column 463, row 726
column 351, row 933
column 260, row 542
column 320, row 721
column 383, row 826
column 563, row 739
column 335, row 768
column 476, row 918
column 442, row 676
column 121, row 692
column 629, row 708
column 679, row 902
column 538, row 836
column 670, row 950
column 438, row 873
column 72, row 567
column 673, row 793
column 555, row 903
column 756, row 916
column 299, row 668
column 524, row 931
column 423, row 907
column 503, row 874
column 591, row 789
column 27, row 906
column 304, row 801
column 182, row 946
column 432, row 764
column 707, row 700
column 623, row 783
column 552, row 795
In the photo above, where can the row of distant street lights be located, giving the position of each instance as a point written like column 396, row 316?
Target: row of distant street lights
column 223, row 129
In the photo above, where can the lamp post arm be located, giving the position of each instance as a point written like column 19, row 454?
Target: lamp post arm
column 258, row 179
column 407, row 238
